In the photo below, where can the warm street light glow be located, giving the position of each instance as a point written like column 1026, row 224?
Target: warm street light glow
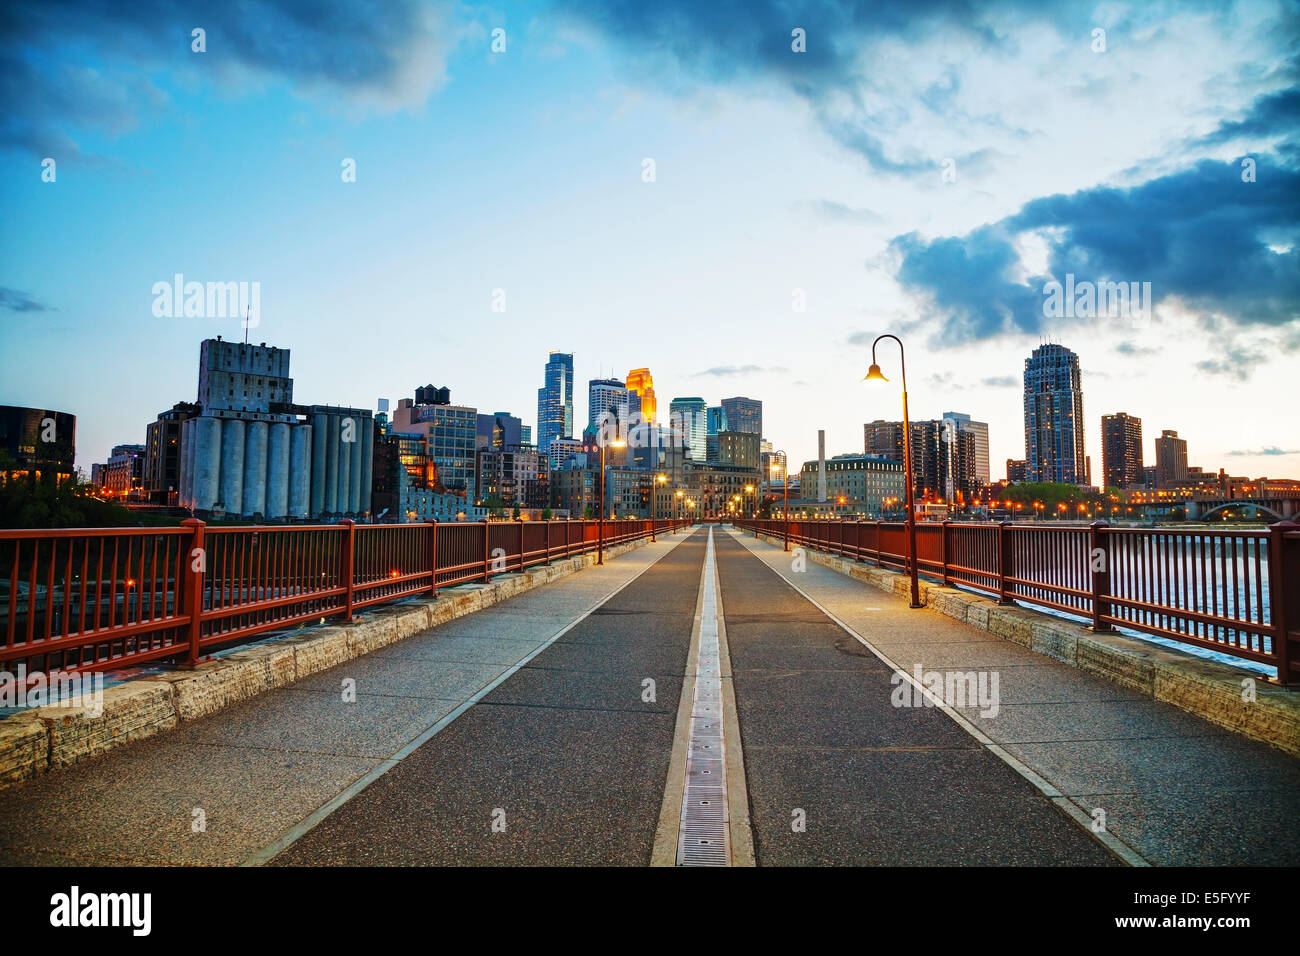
column 875, row 375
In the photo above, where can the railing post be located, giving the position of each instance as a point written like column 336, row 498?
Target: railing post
column 487, row 555
column 548, row 542
column 433, row 558
column 521, row 545
column 193, row 577
column 349, row 562
column 879, row 549
column 1004, row 562
column 1099, row 557
column 1284, row 598
column 944, row 535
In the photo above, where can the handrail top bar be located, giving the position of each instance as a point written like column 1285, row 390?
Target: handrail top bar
column 11, row 533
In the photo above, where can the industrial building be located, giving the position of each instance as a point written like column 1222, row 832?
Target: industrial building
column 252, row 453
column 40, row 443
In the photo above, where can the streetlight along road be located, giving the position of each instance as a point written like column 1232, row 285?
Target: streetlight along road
column 874, row 375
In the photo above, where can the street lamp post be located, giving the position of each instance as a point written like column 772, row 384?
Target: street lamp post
column 600, row 536
column 785, row 489
column 680, row 495
column 654, row 503
column 874, row 375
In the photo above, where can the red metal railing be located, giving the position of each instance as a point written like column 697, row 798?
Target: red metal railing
column 1232, row 591
column 93, row 599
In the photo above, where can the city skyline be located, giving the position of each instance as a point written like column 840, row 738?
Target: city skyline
column 1093, row 447
column 368, row 209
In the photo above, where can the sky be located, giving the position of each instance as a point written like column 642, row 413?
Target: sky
column 738, row 195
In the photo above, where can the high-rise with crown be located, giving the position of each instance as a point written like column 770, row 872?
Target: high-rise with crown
column 555, row 402
column 1054, row 416
column 642, row 384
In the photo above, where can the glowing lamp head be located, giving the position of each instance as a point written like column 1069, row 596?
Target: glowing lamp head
column 874, row 374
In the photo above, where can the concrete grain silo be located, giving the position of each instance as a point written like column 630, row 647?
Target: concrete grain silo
column 342, row 469
column 205, row 472
column 300, row 466
column 331, row 464
column 252, row 451
column 367, row 461
column 277, row 471
column 256, row 436
column 319, row 450
column 232, row 465
column 347, row 442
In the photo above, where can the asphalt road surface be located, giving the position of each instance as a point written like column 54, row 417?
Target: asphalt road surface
column 870, row 783
column 566, row 761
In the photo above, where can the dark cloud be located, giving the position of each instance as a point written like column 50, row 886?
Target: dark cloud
column 69, row 66
column 1201, row 235
column 1269, row 116
column 747, row 41
column 15, row 301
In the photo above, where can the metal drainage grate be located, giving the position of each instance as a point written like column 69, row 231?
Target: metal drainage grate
column 703, row 836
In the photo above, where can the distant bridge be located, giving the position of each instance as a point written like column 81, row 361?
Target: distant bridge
column 1271, row 507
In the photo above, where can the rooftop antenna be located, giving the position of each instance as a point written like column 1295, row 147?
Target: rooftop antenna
column 247, row 313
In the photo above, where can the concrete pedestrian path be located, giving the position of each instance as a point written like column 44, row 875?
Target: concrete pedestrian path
column 1172, row 788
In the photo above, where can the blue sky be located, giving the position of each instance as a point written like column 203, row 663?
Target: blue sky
column 777, row 175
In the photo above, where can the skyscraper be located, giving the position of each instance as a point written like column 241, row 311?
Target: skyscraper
column 1171, row 459
column 642, row 384
column 744, row 414
column 607, row 395
column 1054, row 416
column 1121, row 450
column 979, row 432
column 715, row 421
column 555, row 402
column 690, row 417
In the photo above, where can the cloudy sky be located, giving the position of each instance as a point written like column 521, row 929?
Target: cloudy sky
column 923, row 168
